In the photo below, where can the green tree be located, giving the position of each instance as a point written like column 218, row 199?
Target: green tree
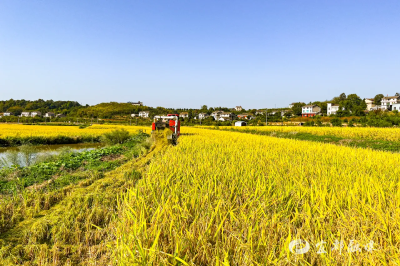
column 17, row 110
column 336, row 122
column 297, row 108
column 378, row 99
column 354, row 104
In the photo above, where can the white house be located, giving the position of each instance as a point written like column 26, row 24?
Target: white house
column 184, row 115
column 238, row 108
column 8, row 114
column 203, row 115
column 25, row 114
column 291, row 105
column 216, row 114
column 260, row 112
column 227, row 115
column 370, row 103
column 37, row 113
column 379, row 107
column 332, row 108
column 49, row 114
column 396, row 106
column 310, row 110
column 240, row 124
column 134, row 115
column 390, row 100
column 144, row 114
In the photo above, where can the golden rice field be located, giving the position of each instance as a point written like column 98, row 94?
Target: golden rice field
column 373, row 133
column 15, row 135
column 15, row 130
column 228, row 198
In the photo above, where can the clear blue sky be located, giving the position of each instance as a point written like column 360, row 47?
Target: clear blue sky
column 188, row 53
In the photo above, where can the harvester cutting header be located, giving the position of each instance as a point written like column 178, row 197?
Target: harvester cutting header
column 171, row 123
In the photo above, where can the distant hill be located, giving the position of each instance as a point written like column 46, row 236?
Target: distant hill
column 18, row 106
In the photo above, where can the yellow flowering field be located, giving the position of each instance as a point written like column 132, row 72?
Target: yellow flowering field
column 227, row 198
column 389, row 134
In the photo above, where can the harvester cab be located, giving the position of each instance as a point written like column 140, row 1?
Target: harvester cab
column 171, row 123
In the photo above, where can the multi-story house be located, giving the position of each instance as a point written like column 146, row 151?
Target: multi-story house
column 332, row 108
column 36, row 113
column 238, row 108
column 396, row 106
column 216, row 114
column 390, row 100
column 227, row 115
column 25, row 114
column 203, row 115
column 144, row 114
column 49, row 114
column 184, row 115
column 310, row 110
column 370, row 103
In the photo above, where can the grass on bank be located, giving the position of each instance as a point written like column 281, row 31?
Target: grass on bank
column 61, row 212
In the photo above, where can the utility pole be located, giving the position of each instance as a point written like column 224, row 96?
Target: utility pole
column 266, row 117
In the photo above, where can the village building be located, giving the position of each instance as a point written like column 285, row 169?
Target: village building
column 310, row 110
column 332, row 108
column 36, row 113
column 49, row 114
column 240, row 124
column 184, row 115
column 144, row 114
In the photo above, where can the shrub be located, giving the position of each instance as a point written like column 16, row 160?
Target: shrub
column 336, row 122
column 117, row 136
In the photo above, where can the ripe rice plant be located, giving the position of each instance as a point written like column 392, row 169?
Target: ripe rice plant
column 13, row 134
column 226, row 198
column 373, row 133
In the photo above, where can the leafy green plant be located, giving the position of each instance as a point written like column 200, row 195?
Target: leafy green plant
column 117, row 136
column 84, row 126
column 336, row 122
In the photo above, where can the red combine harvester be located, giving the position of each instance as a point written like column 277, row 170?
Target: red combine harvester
column 171, row 122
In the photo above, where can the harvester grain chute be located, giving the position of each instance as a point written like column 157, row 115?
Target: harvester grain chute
column 170, row 123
